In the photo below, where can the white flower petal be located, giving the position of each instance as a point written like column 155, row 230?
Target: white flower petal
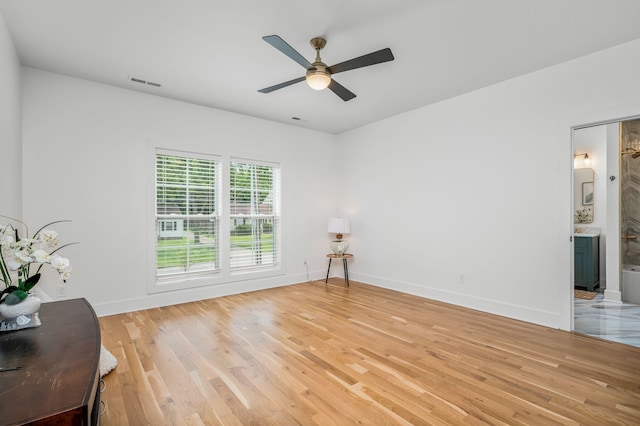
column 41, row 256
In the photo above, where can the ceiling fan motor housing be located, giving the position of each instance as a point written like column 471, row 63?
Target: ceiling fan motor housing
column 318, row 43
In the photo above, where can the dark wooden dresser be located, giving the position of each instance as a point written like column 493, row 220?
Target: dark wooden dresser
column 59, row 374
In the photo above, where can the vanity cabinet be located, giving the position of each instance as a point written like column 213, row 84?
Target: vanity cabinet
column 586, row 258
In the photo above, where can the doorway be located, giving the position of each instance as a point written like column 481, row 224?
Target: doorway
column 599, row 214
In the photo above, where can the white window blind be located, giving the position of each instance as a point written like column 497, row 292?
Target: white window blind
column 254, row 215
column 187, row 215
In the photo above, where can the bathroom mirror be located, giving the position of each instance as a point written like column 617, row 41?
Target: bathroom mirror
column 583, row 195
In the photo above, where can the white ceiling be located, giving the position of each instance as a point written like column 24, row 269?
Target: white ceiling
column 211, row 52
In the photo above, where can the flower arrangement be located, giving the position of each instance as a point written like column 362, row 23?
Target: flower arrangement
column 584, row 215
column 19, row 254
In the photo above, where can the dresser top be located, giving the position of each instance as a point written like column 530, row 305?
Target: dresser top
column 58, row 365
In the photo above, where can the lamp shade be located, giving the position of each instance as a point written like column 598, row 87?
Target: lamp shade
column 339, row 225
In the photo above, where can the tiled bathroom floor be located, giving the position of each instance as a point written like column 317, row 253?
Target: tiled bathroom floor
column 619, row 322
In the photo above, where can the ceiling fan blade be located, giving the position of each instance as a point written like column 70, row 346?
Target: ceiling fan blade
column 284, row 47
column 341, row 91
column 281, row 85
column 373, row 58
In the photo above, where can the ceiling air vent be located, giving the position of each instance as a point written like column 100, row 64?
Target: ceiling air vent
column 141, row 81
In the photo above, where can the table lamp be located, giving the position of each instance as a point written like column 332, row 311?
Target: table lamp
column 339, row 226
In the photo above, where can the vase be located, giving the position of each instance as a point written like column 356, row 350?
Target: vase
column 29, row 305
column 339, row 247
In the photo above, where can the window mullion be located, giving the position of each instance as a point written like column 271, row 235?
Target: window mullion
column 187, row 211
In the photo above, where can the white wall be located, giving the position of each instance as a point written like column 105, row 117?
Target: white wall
column 85, row 151
column 480, row 185
column 10, row 128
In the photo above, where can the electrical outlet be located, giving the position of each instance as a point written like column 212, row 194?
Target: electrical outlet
column 462, row 278
column 61, row 290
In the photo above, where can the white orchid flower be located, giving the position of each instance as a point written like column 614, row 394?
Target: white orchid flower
column 41, row 256
column 24, row 256
column 13, row 265
column 48, row 237
column 6, row 240
column 24, row 242
column 61, row 264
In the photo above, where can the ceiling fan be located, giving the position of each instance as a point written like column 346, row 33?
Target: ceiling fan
column 318, row 74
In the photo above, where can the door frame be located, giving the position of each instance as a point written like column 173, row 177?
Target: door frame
column 612, row 235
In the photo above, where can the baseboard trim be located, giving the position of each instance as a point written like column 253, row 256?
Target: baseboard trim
column 168, row 298
column 156, row 300
column 612, row 296
column 517, row 312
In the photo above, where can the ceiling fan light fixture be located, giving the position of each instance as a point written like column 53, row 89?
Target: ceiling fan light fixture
column 318, row 78
column 319, row 75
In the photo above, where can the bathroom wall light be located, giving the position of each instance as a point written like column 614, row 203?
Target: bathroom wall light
column 586, row 161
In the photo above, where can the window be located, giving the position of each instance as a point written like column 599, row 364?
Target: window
column 187, row 215
column 254, row 200
column 188, row 249
column 169, row 225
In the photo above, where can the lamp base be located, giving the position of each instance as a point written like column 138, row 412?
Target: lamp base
column 339, row 247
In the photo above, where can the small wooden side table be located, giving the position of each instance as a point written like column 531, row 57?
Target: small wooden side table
column 344, row 258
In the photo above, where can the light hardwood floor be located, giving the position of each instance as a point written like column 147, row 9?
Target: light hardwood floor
column 314, row 354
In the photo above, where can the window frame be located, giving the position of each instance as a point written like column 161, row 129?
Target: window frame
column 224, row 275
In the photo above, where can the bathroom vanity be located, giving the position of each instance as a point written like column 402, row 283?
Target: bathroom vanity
column 586, row 260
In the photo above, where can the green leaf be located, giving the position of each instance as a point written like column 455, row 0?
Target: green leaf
column 6, row 292
column 15, row 297
column 31, row 282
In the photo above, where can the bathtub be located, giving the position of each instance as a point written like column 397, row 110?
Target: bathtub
column 631, row 283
